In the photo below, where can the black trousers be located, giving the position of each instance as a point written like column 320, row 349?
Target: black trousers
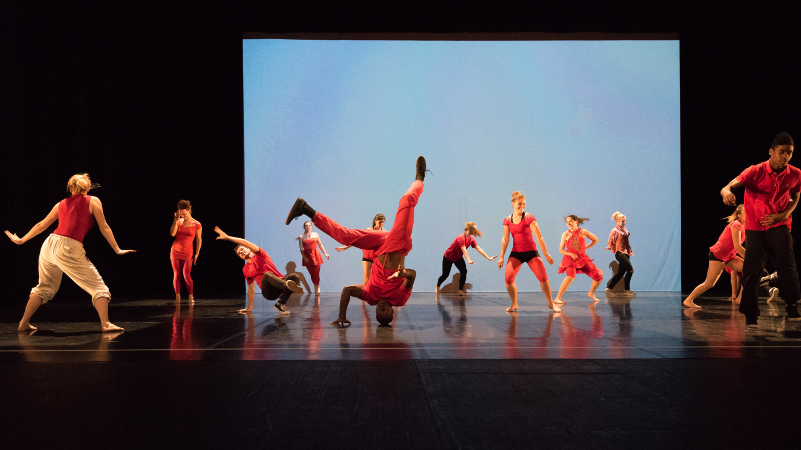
column 779, row 243
column 624, row 267
column 273, row 287
column 446, row 270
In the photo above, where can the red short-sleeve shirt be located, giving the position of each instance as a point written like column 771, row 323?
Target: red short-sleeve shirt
column 259, row 264
column 724, row 248
column 768, row 192
column 454, row 252
column 522, row 237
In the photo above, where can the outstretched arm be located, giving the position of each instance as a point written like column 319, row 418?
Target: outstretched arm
column 37, row 229
column 729, row 198
column 238, row 241
column 504, row 244
column 354, row 290
column 538, row 234
column 96, row 208
column 484, row 254
column 342, row 249
column 466, row 256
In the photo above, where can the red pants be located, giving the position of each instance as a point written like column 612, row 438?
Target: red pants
column 179, row 267
column 397, row 240
column 513, row 266
column 314, row 271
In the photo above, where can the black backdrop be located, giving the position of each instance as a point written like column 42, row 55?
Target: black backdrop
column 147, row 98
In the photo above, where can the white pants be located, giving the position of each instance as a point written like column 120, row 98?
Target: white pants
column 59, row 255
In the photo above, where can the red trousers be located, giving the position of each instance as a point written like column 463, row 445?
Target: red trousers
column 397, row 240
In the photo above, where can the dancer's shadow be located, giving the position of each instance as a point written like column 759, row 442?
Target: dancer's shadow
column 453, row 286
column 292, row 267
column 618, row 288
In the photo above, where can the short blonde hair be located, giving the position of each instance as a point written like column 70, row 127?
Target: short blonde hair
column 517, row 195
column 618, row 215
column 80, row 183
column 470, row 228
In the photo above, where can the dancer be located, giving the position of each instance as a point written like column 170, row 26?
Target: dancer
column 62, row 251
column 772, row 190
column 185, row 229
column 619, row 245
column 453, row 255
column 385, row 287
column 576, row 260
column 259, row 269
column 367, row 255
column 524, row 228
column 723, row 255
column 312, row 260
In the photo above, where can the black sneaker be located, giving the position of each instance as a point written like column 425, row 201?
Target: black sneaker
column 281, row 308
column 421, row 169
column 751, row 321
column 297, row 210
column 792, row 312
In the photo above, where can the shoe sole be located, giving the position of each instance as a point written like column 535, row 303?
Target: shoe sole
column 282, row 312
column 292, row 286
column 293, row 213
column 420, row 167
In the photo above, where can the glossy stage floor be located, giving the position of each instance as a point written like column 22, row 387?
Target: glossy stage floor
column 452, row 372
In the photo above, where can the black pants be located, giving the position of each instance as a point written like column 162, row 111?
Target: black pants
column 446, row 270
column 273, row 287
column 623, row 267
column 779, row 243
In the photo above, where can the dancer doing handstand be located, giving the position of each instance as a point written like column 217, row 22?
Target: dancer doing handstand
column 457, row 253
column 259, row 269
column 576, row 259
column 62, row 252
column 386, row 286
column 524, row 228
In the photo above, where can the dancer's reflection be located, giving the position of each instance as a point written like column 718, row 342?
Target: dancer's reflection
column 312, row 327
column 621, row 309
column 33, row 354
column 539, row 344
column 182, row 343
column 577, row 342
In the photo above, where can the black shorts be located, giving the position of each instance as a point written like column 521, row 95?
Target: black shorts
column 712, row 257
column 367, row 260
column 524, row 257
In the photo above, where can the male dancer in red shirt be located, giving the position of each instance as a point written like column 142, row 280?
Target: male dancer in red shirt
column 387, row 286
column 772, row 190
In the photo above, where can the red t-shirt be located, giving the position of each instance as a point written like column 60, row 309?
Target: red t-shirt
column 380, row 286
column 454, row 252
column 768, row 192
column 74, row 218
column 724, row 247
column 182, row 247
column 522, row 237
column 259, row 264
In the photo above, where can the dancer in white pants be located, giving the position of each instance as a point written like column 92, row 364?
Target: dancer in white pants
column 62, row 252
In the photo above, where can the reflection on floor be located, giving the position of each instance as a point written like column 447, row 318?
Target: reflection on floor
column 650, row 325
column 452, row 373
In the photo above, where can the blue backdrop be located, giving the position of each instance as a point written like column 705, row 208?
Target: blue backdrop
column 580, row 127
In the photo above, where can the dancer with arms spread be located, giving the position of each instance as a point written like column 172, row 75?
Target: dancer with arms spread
column 390, row 283
column 309, row 241
column 523, row 228
column 259, row 269
column 772, row 190
column 575, row 259
column 723, row 255
column 457, row 253
column 183, row 254
column 367, row 255
column 62, row 252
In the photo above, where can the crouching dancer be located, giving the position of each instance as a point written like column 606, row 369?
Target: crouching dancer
column 386, row 286
column 259, row 269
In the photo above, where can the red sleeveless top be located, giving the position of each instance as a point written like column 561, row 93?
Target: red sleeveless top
column 74, row 218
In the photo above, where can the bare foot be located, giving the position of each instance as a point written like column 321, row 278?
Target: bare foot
column 559, row 301
column 109, row 327
column 462, row 293
column 556, row 309
column 592, row 296
column 191, row 299
column 436, row 290
column 177, row 298
column 292, row 286
column 512, row 308
column 245, row 311
column 26, row 327
column 690, row 304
